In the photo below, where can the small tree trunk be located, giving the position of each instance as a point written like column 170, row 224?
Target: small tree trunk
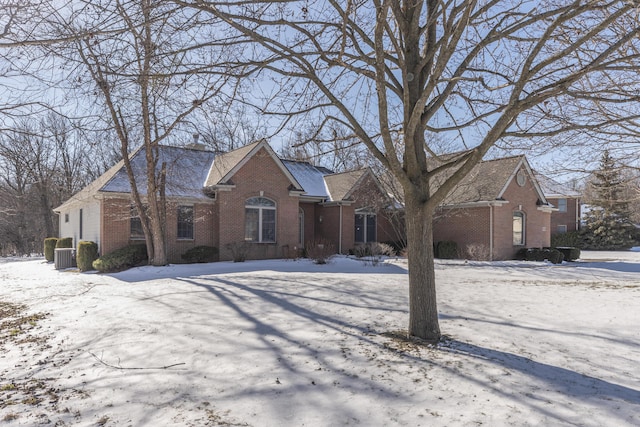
column 423, row 311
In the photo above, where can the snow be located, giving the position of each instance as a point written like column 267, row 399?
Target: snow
column 309, row 177
column 291, row 343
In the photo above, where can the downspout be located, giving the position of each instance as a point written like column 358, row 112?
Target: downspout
column 577, row 214
column 340, row 231
column 491, row 232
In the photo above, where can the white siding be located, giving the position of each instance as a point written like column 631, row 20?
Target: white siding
column 90, row 223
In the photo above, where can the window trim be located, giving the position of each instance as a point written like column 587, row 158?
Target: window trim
column 191, row 222
column 563, row 207
column 260, row 206
column 366, row 214
column 523, row 231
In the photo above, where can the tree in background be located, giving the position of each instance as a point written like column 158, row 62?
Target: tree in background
column 397, row 72
column 607, row 222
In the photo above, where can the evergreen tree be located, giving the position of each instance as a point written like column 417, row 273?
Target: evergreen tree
column 607, row 224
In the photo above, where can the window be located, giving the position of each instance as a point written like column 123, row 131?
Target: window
column 562, row 205
column 80, row 224
column 66, row 217
column 518, row 228
column 260, row 220
column 562, row 228
column 365, row 227
column 185, row 222
column 136, row 231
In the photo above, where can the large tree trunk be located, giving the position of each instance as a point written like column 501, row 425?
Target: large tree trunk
column 423, row 311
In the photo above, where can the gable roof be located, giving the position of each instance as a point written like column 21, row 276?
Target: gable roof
column 489, row 180
column 341, row 185
column 226, row 165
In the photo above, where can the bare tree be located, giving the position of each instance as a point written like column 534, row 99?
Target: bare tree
column 147, row 64
column 476, row 71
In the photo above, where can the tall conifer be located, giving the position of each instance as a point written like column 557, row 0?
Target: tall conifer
column 607, row 224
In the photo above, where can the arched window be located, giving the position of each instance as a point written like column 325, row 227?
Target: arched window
column 260, row 220
column 518, row 229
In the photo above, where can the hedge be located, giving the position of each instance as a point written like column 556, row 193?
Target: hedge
column 121, row 259
column 535, row 254
column 50, row 248
column 446, row 249
column 65, row 242
column 200, row 254
column 87, row 253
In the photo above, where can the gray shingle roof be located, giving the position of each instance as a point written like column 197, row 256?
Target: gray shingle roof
column 485, row 182
column 186, row 172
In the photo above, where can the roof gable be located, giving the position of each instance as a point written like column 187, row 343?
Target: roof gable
column 489, row 180
column 226, row 165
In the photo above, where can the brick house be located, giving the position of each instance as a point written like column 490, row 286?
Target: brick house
column 250, row 196
column 246, row 195
column 496, row 210
column 567, row 215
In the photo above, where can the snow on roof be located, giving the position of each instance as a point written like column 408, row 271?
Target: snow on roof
column 187, row 171
column 552, row 188
column 310, row 177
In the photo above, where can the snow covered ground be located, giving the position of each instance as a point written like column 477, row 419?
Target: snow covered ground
column 290, row 343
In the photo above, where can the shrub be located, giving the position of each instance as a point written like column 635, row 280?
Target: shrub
column 478, row 252
column 568, row 239
column 239, row 250
column 446, row 249
column 554, row 256
column 50, row 248
column 121, row 259
column 87, row 253
column 570, row 254
column 200, row 254
column 373, row 252
column 320, row 250
column 65, row 242
column 535, row 254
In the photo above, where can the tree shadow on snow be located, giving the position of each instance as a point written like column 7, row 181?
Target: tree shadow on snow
column 544, row 382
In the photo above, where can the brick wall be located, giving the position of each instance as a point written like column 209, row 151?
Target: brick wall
column 259, row 174
column 469, row 226
column 567, row 218
column 537, row 222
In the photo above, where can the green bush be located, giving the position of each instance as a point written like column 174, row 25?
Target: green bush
column 65, row 242
column 87, row 253
column 569, row 239
column 570, row 254
column 50, row 248
column 121, row 259
column 536, row 254
column 200, row 254
column 554, row 256
column 446, row 249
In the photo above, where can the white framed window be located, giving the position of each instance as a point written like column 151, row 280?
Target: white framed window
column 66, row 217
column 260, row 220
column 562, row 228
column 562, row 205
column 365, row 227
column 518, row 229
column 185, row 222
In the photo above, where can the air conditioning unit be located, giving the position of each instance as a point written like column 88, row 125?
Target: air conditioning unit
column 64, row 258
